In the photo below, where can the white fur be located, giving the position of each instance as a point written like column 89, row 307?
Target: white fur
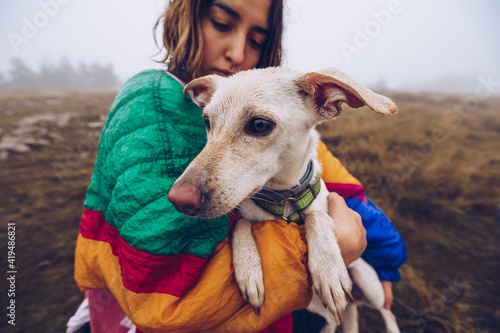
column 235, row 164
column 366, row 279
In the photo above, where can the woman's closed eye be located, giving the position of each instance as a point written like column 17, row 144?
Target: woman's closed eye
column 221, row 26
column 255, row 44
column 257, row 39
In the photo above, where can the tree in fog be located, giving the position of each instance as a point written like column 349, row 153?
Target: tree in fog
column 380, row 85
column 103, row 77
column 83, row 76
column 3, row 82
column 62, row 76
column 21, row 76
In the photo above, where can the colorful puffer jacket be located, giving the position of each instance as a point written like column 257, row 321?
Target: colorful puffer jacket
column 154, row 260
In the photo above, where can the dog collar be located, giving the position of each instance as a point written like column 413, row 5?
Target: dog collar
column 279, row 196
column 300, row 196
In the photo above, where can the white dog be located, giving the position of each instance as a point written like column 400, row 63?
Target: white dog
column 260, row 159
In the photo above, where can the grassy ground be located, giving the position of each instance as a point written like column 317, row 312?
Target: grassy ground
column 42, row 192
column 434, row 168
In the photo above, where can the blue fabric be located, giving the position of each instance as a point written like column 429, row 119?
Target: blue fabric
column 386, row 251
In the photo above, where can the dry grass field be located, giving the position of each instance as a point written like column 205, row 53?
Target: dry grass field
column 434, row 168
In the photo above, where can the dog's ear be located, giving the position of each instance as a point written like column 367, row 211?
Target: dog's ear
column 203, row 88
column 328, row 89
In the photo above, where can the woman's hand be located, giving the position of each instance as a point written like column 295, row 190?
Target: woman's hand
column 387, row 285
column 351, row 234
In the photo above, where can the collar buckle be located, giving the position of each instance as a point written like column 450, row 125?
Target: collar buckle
column 300, row 196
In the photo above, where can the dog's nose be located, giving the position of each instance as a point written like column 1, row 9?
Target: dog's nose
column 187, row 199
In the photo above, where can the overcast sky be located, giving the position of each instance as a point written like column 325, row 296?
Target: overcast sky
column 402, row 41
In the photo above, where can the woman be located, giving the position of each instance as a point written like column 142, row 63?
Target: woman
column 167, row 271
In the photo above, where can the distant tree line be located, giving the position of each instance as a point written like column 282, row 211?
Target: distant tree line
column 63, row 76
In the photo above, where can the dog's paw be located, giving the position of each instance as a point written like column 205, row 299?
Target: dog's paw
column 248, row 265
column 251, row 282
column 332, row 283
column 328, row 272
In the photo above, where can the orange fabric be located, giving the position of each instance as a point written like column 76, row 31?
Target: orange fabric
column 332, row 170
column 214, row 303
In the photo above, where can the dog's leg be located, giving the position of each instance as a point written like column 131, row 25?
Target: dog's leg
column 366, row 278
column 328, row 272
column 247, row 264
column 351, row 324
column 317, row 307
column 391, row 325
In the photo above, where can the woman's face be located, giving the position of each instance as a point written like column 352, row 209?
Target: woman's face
column 234, row 32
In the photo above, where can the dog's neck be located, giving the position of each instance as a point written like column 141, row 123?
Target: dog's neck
column 291, row 174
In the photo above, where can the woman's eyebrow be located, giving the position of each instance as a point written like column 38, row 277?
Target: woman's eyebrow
column 237, row 16
column 227, row 9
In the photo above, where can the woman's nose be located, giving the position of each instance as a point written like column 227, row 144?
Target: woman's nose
column 235, row 52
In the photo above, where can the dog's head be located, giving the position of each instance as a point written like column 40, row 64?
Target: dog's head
column 260, row 124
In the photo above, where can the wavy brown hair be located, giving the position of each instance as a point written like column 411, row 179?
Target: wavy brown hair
column 183, row 39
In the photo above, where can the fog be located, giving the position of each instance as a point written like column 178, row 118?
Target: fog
column 446, row 45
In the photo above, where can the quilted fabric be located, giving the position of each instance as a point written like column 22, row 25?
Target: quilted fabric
column 152, row 133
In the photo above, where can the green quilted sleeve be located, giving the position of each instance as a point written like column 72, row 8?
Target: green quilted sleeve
column 152, row 133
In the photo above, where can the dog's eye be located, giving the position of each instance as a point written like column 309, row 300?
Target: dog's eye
column 260, row 126
column 207, row 122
